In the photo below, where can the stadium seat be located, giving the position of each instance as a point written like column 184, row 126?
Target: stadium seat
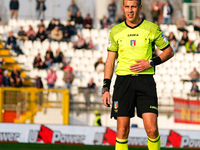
column 59, row 83
column 37, row 44
column 63, row 46
column 192, row 35
column 79, row 53
column 33, row 73
column 94, row 33
column 1, row 29
column 190, row 28
column 88, row 53
column 45, row 44
column 22, row 59
column 54, row 46
column 12, row 22
column 42, row 73
column 103, row 33
column 189, row 57
column 86, row 33
column 28, row 44
column 164, row 27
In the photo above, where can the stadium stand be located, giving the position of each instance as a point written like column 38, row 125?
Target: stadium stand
column 168, row 76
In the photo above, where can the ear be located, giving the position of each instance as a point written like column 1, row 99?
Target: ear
column 140, row 9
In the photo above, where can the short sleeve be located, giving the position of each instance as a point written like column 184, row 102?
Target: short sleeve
column 161, row 40
column 112, row 44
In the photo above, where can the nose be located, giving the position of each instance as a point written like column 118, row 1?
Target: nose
column 130, row 9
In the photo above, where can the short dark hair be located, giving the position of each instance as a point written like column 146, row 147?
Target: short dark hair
column 139, row 1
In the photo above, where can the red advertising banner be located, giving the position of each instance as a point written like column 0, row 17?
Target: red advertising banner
column 186, row 111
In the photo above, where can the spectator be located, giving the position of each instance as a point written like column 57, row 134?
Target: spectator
column 72, row 10
column 51, row 26
column 51, row 78
column 41, row 24
column 60, row 25
column 0, row 21
column 59, row 56
column 90, row 44
column 37, row 63
column 194, row 89
column 105, row 22
column 68, row 77
column 112, row 7
column 97, row 120
column 88, row 22
column 50, row 53
column 155, row 11
column 39, row 85
column 11, row 43
column 190, row 46
column 91, row 84
column 16, row 79
column 14, row 7
column 5, row 79
column 198, row 48
column 70, row 29
column 41, row 34
column 64, row 63
column 167, row 10
column 121, row 19
column 79, row 22
column 22, row 34
column 80, row 43
column 181, row 23
column 66, row 36
column 48, row 61
column 1, row 75
column 184, row 38
column 38, row 82
column 99, row 65
column 56, row 34
column 31, row 33
column 68, row 66
column 173, row 42
column 194, row 75
column 40, row 8
column 197, row 24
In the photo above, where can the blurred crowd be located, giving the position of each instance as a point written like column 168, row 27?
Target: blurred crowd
column 162, row 13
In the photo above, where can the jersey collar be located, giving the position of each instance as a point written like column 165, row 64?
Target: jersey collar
column 134, row 26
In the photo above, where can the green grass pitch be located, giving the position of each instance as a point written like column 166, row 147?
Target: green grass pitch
column 28, row 146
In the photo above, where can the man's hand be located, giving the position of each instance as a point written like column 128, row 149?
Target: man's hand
column 140, row 66
column 106, row 99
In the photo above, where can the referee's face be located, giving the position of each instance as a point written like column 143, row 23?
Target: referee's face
column 132, row 10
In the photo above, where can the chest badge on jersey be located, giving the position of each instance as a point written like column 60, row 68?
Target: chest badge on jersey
column 133, row 43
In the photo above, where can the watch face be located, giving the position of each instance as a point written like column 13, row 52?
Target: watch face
column 151, row 63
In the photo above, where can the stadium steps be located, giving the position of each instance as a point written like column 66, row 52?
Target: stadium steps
column 10, row 63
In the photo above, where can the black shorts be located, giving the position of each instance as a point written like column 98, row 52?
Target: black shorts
column 132, row 92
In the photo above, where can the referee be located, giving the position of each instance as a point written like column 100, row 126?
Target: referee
column 134, row 41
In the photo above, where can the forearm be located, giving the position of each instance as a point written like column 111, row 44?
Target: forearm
column 166, row 54
column 108, row 71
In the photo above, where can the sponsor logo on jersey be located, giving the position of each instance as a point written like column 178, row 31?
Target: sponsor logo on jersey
column 109, row 42
column 164, row 37
column 133, row 43
column 133, row 34
column 154, row 107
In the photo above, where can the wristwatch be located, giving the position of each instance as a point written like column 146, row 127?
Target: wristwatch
column 151, row 63
column 105, row 89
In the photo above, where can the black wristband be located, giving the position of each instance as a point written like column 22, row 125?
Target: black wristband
column 106, row 83
column 157, row 60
